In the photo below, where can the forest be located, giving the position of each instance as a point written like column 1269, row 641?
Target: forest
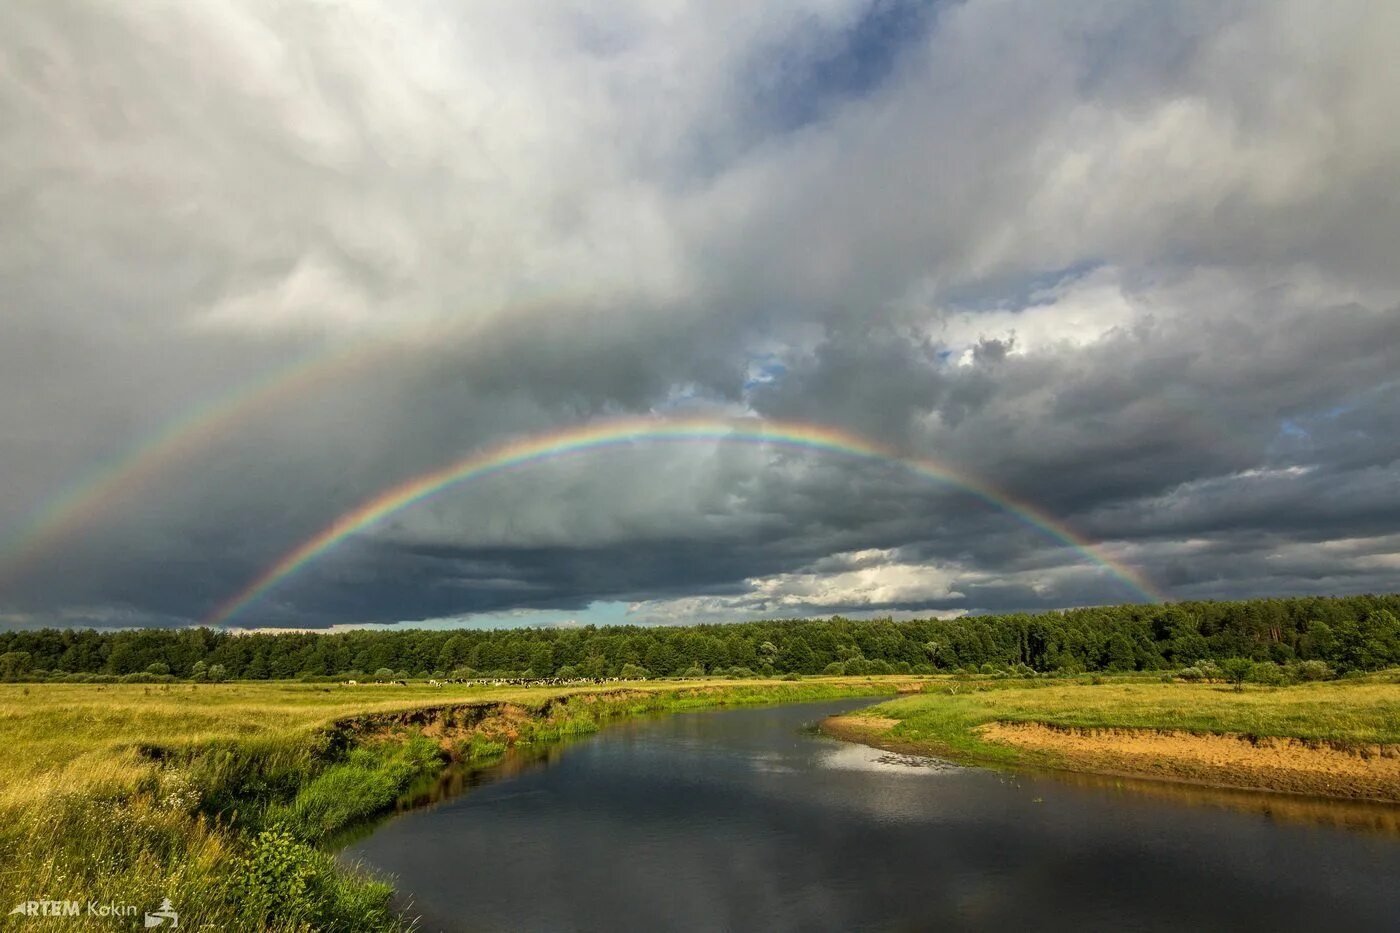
column 1339, row 634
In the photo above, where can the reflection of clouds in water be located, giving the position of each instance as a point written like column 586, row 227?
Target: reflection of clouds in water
column 772, row 763
column 865, row 758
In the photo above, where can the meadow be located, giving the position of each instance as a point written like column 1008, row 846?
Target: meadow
column 1335, row 738
column 221, row 797
column 225, row 797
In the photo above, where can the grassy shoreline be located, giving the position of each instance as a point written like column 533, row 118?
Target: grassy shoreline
column 224, row 797
column 1338, row 739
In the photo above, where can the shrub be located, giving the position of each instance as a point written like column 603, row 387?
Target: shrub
column 633, row 672
column 695, row 670
column 1191, row 674
column 1237, row 671
column 1266, row 672
column 284, row 883
column 275, row 874
column 1312, row 670
column 835, row 667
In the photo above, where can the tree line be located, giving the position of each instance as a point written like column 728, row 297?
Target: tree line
column 1345, row 633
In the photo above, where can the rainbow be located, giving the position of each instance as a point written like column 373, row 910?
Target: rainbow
column 116, row 478
column 527, row 451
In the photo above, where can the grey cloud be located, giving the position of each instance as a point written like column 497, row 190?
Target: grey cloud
column 1129, row 262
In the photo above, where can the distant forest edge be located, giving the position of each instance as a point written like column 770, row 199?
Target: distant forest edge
column 1304, row 634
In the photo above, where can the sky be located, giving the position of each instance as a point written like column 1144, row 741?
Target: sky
column 1130, row 264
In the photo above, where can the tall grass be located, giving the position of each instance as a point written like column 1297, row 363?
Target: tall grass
column 221, row 797
column 1352, row 712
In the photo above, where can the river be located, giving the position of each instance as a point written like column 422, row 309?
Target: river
column 746, row 820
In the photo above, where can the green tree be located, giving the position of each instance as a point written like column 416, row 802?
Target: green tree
column 542, row 659
column 15, row 664
column 1236, row 671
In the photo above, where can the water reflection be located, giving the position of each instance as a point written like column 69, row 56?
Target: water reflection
column 1357, row 815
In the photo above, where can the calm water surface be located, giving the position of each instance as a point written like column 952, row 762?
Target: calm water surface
column 740, row 820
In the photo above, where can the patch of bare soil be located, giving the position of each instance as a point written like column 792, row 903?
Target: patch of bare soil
column 1277, row 764
column 863, row 725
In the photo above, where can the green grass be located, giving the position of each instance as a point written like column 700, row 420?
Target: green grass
column 1363, row 711
column 221, row 796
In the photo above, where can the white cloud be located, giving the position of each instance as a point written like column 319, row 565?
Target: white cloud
column 873, row 577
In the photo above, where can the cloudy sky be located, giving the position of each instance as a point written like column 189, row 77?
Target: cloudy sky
column 1134, row 263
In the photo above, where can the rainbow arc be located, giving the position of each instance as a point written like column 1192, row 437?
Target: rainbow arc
column 527, row 451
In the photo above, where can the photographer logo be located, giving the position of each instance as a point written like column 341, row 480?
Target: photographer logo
column 165, row 916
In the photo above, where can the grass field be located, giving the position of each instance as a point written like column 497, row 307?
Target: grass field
column 218, row 796
column 1338, row 738
column 221, row 797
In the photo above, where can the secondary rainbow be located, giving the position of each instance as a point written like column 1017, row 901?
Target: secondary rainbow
column 115, row 479
column 527, row 451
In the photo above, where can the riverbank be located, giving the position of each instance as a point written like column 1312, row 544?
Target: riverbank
column 1338, row 739
column 222, row 797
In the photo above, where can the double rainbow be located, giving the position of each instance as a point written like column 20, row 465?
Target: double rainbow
column 527, row 451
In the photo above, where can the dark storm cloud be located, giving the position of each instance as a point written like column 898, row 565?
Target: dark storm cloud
column 1132, row 263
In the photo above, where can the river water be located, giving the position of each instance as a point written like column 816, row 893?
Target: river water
column 745, row 820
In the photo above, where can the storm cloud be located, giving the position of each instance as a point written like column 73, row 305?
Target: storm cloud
column 1133, row 264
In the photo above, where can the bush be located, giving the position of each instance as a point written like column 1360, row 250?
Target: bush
column 694, row 671
column 835, row 668
column 286, row 882
column 1191, row 674
column 1236, row 671
column 1311, row 670
column 275, row 874
column 1266, row 672
column 633, row 672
